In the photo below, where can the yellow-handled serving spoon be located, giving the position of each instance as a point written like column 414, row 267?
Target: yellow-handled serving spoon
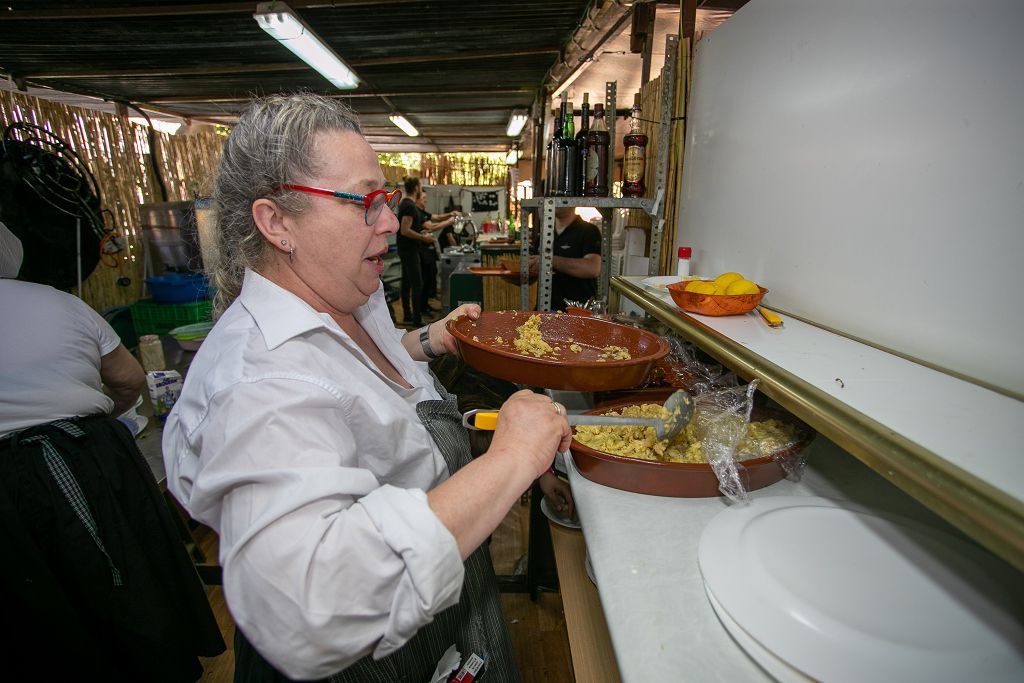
column 679, row 406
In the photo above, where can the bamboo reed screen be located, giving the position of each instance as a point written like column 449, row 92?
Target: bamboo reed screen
column 650, row 104
column 116, row 152
column 464, row 169
column 499, row 294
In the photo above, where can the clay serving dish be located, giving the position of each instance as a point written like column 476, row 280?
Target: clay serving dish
column 576, row 310
column 482, row 270
column 682, row 480
column 572, row 371
column 714, row 304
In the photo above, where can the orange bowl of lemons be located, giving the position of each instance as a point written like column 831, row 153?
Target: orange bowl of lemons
column 728, row 294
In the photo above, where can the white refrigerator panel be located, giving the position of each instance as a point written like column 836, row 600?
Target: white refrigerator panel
column 865, row 162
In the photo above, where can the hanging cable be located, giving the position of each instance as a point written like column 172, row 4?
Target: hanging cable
column 151, row 136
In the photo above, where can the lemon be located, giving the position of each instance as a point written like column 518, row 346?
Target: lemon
column 726, row 279
column 742, row 287
column 700, row 287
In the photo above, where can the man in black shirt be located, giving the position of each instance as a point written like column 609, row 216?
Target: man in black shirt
column 576, row 261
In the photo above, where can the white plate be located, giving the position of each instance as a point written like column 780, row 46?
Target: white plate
column 660, row 283
column 557, row 518
column 775, row 667
column 844, row 593
column 135, row 423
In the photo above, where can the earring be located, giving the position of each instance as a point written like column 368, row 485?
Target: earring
column 290, row 253
column 284, row 241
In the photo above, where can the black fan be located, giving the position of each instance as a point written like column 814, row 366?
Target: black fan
column 45, row 190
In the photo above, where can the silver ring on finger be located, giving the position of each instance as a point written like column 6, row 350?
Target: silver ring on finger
column 558, row 408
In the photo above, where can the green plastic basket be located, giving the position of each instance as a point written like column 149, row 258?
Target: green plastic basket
column 153, row 318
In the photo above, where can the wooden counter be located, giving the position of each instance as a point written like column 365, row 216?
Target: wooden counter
column 591, row 646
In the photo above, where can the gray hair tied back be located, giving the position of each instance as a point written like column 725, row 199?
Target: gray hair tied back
column 273, row 142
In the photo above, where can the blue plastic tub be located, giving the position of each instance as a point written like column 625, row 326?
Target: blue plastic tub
column 178, row 288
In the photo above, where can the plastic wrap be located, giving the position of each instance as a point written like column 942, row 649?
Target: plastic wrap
column 682, row 370
column 720, row 422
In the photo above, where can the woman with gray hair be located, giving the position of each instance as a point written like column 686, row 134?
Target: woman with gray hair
column 311, row 436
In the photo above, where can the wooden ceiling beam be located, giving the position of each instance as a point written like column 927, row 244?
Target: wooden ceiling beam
column 428, row 112
column 174, row 10
column 181, row 99
column 284, row 66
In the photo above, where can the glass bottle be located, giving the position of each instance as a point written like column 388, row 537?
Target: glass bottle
column 551, row 181
column 151, row 351
column 568, row 146
column 595, row 175
column 634, row 162
column 581, row 147
column 558, row 156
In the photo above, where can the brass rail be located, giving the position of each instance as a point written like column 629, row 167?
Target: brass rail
column 989, row 516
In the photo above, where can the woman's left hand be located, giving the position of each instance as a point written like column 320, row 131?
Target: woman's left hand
column 441, row 340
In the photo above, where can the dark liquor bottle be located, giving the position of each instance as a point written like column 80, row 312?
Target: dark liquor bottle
column 558, row 163
column 634, row 156
column 595, row 175
column 581, row 147
column 569, row 174
column 551, row 179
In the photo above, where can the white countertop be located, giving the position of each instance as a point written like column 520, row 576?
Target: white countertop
column 644, row 553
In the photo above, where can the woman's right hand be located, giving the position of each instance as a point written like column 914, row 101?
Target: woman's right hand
column 532, row 426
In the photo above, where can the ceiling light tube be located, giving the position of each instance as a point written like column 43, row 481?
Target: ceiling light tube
column 404, row 124
column 281, row 22
column 517, row 122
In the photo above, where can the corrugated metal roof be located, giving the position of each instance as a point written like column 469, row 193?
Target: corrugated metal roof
column 471, row 62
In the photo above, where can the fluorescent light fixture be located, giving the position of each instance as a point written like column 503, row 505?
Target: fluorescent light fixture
column 404, row 124
column 517, row 122
column 281, row 22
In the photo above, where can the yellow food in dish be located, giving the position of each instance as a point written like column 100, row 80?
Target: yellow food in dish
column 700, row 287
column 530, row 342
column 763, row 438
column 742, row 287
column 614, row 353
column 725, row 279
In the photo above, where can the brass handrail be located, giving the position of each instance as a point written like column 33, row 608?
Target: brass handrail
column 989, row 516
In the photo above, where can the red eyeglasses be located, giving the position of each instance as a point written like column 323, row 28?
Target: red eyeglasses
column 373, row 202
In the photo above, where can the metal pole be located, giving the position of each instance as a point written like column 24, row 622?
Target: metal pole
column 668, row 82
column 78, row 253
column 547, row 251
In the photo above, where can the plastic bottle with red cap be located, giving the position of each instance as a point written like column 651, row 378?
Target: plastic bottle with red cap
column 683, row 269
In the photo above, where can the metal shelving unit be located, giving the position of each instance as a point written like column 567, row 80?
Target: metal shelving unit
column 654, row 206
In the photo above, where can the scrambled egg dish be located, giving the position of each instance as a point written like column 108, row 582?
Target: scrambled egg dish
column 763, row 438
column 614, row 353
column 530, row 342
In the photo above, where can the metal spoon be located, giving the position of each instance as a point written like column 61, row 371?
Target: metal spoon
column 679, row 406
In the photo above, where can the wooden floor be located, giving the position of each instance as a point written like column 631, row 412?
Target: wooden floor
column 537, row 628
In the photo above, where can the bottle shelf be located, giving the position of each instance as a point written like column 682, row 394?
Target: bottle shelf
column 644, row 203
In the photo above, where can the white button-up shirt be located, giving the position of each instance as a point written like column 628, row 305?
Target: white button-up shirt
column 312, row 465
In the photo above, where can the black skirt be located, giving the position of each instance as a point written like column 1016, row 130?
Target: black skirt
column 120, row 602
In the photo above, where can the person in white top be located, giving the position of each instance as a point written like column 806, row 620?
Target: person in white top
column 311, row 436
column 96, row 562
column 58, row 353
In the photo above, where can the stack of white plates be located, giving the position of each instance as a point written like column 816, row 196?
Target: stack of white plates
column 812, row 588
